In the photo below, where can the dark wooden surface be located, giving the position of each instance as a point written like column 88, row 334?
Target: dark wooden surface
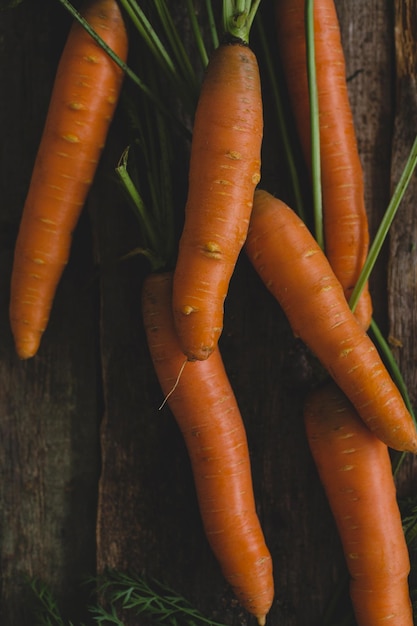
column 92, row 475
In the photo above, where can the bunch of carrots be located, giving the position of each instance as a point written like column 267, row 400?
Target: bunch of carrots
column 358, row 413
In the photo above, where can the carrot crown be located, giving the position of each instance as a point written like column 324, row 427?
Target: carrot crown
column 238, row 16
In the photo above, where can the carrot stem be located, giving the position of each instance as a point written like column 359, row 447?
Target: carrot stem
column 212, row 24
column 197, row 33
column 146, row 173
column 189, row 80
column 314, row 122
column 148, row 34
column 137, row 200
column 385, row 224
column 186, row 87
column 238, row 16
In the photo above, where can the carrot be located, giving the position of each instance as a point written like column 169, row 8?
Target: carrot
column 355, row 469
column 83, row 101
column 345, row 221
column 208, row 416
column 224, row 170
column 295, row 270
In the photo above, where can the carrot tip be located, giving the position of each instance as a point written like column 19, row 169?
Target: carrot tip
column 27, row 349
column 261, row 620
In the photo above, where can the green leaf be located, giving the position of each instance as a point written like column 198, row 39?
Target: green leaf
column 314, row 123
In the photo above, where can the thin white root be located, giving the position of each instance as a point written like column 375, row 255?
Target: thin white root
column 175, row 385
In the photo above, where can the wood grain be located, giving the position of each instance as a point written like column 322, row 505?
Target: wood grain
column 92, row 475
column 402, row 274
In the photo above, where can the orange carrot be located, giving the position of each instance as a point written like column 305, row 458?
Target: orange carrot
column 208, row 416
column 83, row 101
column 344, row 214
column 224, row 170
column 355, row 470
column 296, row 271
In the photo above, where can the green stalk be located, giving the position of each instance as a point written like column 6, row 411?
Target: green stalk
column 238, row 16
column 150, row 37
column 314, row 122
column 212, row 24
column 197, row 33
column 137, row 200
column 385, row 224
column 173, row 61
column 146, row 171
column 178, row 50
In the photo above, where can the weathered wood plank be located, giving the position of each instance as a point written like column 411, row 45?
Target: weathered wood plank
column 402, row 277
column 94, row 369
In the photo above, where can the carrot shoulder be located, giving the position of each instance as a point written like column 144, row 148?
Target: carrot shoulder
column 295, row 270
column 355, row 469
column 83, row 101
column 208, row 416
column 224, row 170
column 345, row 219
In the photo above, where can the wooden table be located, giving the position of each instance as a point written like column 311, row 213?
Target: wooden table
column 92, row 475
